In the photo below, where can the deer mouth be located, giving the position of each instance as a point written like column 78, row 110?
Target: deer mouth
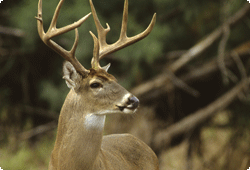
column 130, row 106
column 127, row 109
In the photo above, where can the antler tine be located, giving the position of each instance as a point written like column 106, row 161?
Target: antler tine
column 55, row 16
column 95, row 60
column 102, row 32
column 99, row 43
column 123, row 34
column 53, row 31
column 40, row 20
column 123, row 41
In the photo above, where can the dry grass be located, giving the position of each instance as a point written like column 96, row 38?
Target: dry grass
column 221, row 148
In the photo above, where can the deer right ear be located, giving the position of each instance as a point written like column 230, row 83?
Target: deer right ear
column 72, row 78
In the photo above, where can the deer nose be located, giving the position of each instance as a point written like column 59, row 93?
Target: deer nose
column 133, row 102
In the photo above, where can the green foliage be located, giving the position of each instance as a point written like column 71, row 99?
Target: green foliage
column 53, row 94
column 28, row 158
column 22, row 17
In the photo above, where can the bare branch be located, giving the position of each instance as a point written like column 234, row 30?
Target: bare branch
column 221, row 53
column 182, row 85
column 162, row 79
column 196, row 50
column 175, row 54
column 38, row 130
column 242, row 70
column 207, row 42
column 12, row 31
column 164, row 137
column 239, row 64
column 40, row 111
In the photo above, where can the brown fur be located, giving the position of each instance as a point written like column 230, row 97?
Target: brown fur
column 80, row 144
column 101, row 73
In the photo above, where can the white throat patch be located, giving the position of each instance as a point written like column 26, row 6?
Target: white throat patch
column 93, row 121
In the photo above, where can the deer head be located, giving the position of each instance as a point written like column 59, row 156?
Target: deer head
column 101, row 90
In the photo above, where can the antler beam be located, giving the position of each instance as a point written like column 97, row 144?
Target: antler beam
column 53, row 31
column 101, row 48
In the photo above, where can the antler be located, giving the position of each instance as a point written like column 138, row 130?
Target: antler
column 53, row 31
column 101, row 48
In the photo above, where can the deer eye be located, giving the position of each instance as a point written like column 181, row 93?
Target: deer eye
column 95, row 85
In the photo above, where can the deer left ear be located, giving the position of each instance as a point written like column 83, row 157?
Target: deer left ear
column 72, row 78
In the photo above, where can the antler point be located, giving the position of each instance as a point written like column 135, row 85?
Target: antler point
column 39, row 18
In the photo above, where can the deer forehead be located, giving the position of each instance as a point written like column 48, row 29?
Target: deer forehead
column 101, row 75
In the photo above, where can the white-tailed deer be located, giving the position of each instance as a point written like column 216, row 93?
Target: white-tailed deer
column 80, row 144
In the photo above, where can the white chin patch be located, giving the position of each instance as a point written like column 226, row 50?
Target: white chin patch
column 117, row 111
column 128, row 111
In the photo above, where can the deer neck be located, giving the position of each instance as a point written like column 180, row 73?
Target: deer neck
column 79, row 135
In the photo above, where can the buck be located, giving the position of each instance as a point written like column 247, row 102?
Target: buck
column 94, row 93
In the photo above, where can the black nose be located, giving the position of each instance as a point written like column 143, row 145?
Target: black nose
column 134, row 102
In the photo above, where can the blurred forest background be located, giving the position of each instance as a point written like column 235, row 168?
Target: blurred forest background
column 191, row 75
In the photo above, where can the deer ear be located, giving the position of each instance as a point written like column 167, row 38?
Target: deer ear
column 72, row 78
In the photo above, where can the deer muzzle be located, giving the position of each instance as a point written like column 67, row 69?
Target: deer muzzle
column 129, row 104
